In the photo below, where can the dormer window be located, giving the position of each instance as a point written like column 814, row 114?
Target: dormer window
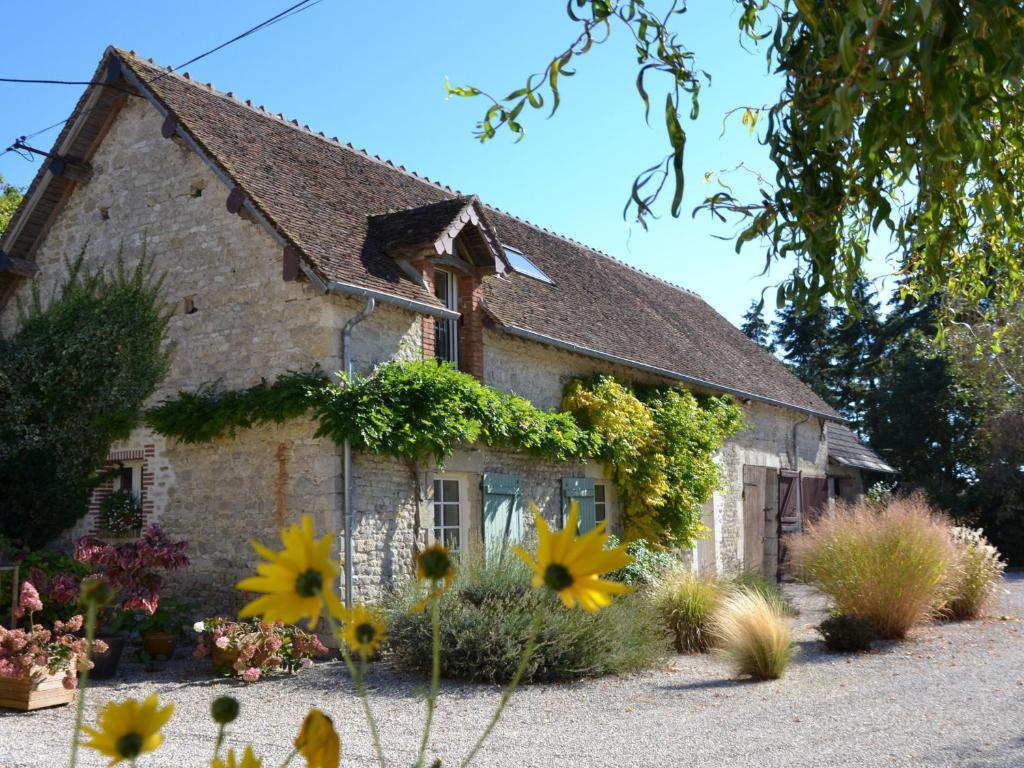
column 446, row 330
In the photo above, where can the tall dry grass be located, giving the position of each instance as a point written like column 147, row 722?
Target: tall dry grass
column 974, row 576
column 883, row 563
column 686, row 603
column 752, row 632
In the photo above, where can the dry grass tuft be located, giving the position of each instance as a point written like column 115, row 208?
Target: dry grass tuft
column 752, row 632
column 686, row 603
column 886, row 564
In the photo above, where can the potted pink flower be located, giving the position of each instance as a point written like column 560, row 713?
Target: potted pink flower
column 38, row 665
column 254, row 649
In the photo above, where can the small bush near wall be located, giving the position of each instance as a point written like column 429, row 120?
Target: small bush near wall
column 846, row 634
column 486, row 618
column 686, row 604
column 649, row 564
column 886, row 564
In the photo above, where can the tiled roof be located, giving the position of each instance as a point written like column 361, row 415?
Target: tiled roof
column 319, row 195
column 845, row 449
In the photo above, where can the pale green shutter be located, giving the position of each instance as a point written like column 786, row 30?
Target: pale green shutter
column 580, row 490
column 503, row 514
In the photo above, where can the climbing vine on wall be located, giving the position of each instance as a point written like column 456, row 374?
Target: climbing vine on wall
column 660, row 444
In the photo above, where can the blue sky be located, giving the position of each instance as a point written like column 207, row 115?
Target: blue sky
column 373, row 74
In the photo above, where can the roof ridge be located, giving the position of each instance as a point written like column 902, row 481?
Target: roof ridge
column 279, row 117
column 597, row 251
column 467, row 199
column 335, row 141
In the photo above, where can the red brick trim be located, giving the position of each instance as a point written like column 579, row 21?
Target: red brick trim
column 428, row 331
column 471, row 325
column 140, row 456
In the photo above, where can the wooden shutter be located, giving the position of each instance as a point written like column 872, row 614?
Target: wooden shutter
column 580, row 490
column 814, row 492
column 503, row 515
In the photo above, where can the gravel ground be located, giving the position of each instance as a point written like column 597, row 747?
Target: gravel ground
column 951, row 696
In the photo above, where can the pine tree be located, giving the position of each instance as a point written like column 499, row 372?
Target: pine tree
column 804, row 339
column 755, row 328
column 856, row 349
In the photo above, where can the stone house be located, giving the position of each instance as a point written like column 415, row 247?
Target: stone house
column 279, row 244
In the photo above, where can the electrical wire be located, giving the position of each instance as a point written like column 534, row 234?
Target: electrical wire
column 297, row 8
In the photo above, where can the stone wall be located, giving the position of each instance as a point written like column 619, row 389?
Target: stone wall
column 235, row 320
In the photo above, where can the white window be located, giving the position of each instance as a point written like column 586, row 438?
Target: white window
column 449, row 519
column 600, row 502
column 446, row 331
column 128, row 478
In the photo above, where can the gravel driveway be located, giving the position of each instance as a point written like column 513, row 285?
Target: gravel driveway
column 951, row 696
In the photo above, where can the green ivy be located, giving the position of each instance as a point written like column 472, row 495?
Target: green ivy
column 658, row 441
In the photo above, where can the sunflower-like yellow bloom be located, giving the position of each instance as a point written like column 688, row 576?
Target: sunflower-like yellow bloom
column 318, row 742
column 435, row 566
column 129, row 728
column 295, row 580
column 571, row 565
column 249, row 760
column 364, row 630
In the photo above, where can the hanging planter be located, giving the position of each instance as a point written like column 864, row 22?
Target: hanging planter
column 38, row 689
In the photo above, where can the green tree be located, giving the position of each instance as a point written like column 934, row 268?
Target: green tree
column 10, row 199
column 803, row 338
column 756, row 328
column 904, row 115
column 73, row 378
column 856, row 345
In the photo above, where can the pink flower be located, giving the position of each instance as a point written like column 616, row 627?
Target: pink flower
column 70, row 682
column 221, row 642
column 251, row 675
column 8, row 669
column 28, row 600
column 274, row 644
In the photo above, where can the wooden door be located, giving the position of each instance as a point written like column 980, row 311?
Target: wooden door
column 755, row 482
column 790, row 518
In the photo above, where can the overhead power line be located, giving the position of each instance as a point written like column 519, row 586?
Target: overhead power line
column 297, row 8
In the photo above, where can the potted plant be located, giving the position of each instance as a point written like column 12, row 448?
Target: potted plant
column 38, row 665
column 134, row 569
column 252, row 649
column 160, row 631
column 120, row 515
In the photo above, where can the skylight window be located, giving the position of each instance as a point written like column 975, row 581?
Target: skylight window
column 517, row 259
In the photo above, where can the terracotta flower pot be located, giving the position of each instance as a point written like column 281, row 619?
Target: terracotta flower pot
column 159, row 645
column 224, row 661
column 37, row 690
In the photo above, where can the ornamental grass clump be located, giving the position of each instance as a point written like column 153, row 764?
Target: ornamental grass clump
column 686, row 604
column 974, row 577
column 754, row 635
column 886, row 564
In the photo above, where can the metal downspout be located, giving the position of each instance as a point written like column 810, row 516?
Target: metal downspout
column 349, row 512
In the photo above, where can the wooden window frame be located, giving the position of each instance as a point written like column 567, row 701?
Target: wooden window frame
column 463, row 526
column 450, row 355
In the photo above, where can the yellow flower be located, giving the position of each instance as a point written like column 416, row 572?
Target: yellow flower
column 364, row 630
column 249, row 760
column 129, row 728
column 318, row 742
column 295, row 579
column 434, row 564
column 570, row 565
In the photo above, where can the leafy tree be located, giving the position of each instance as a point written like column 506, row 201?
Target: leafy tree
column 10, row 198
column 73, row 378
column 755, row 328
column 900, row 114
column 856, row 345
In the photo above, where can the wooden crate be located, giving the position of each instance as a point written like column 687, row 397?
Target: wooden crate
column 40, row 689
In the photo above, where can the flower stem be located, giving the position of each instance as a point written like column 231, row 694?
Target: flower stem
column 220, row 741
column 531, row 645
column 289, row 758
column 90, row 635
column 357, row 680
column 435, row 676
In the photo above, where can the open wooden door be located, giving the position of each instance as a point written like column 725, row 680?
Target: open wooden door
column 790, row 517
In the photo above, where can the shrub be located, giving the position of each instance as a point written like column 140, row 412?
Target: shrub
column 753, row 581
column 883, row 564
column 486, row 618
column 73, row 378
column 121, row 513
column 686, row 604
column 974, row 576
column 846, row 634
column 754, row 635
column 55, row 575
column 648, row 565
column 253, row 649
